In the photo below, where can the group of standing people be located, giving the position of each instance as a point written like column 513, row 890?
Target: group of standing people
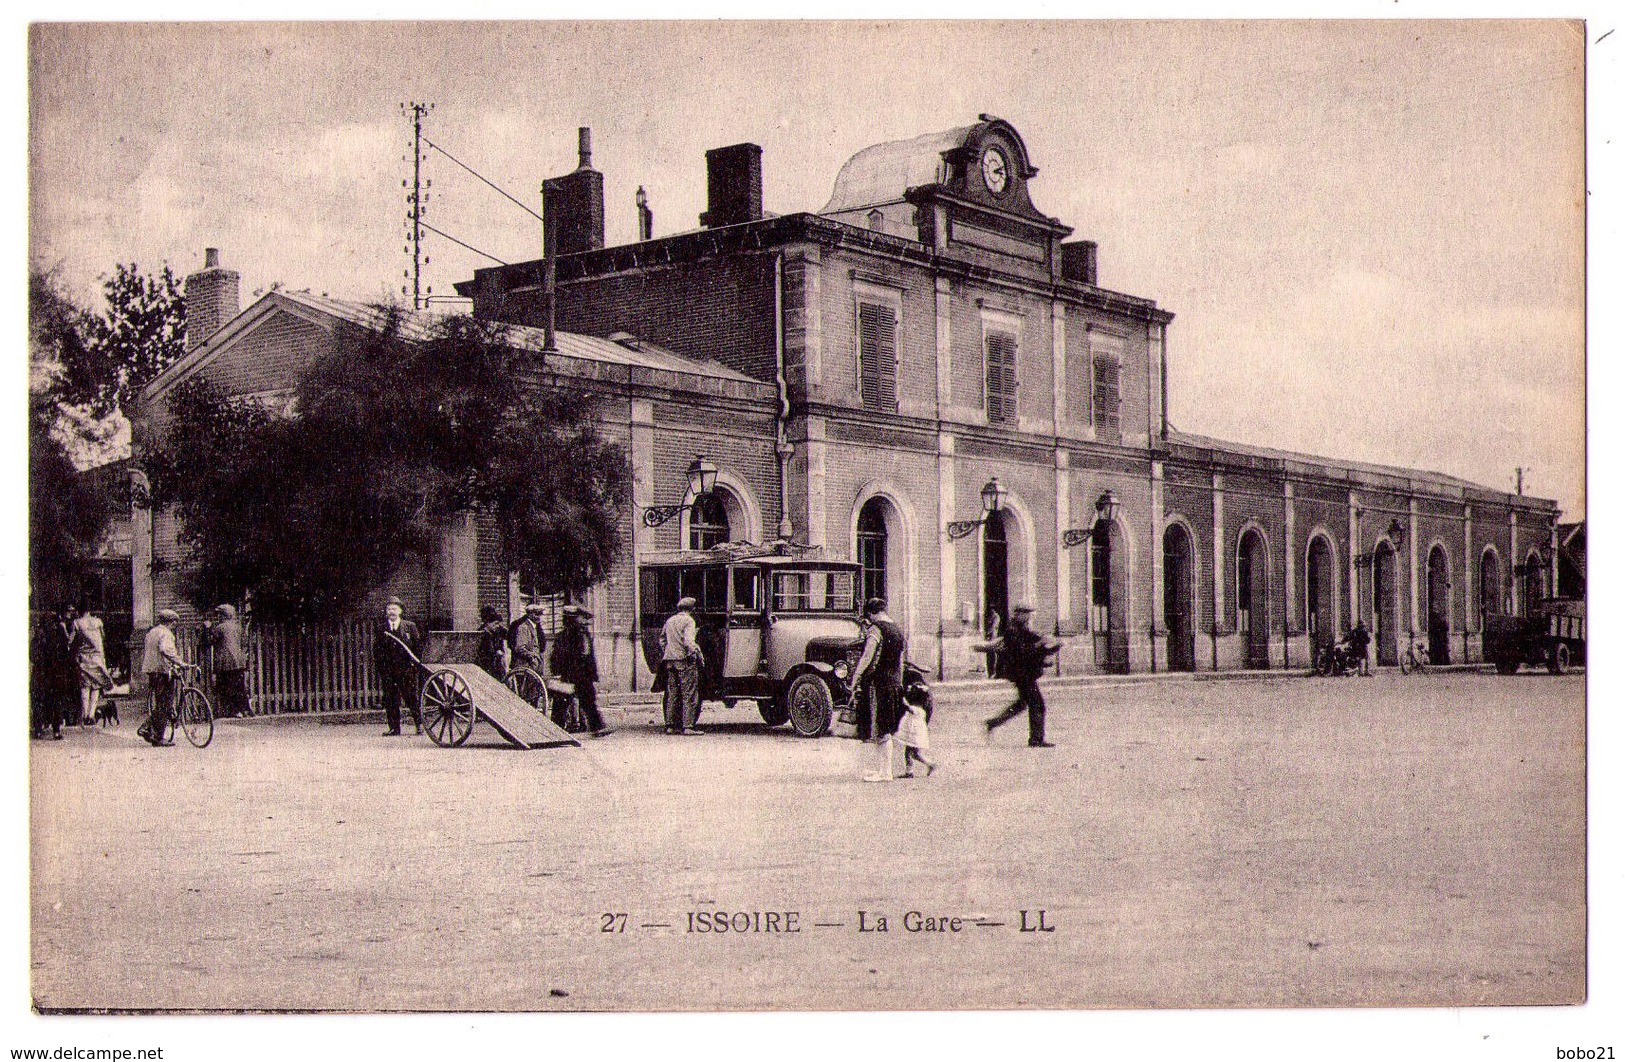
column 69, row 675
column 523, row 643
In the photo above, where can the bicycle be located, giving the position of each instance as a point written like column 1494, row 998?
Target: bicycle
column 1414, row 659
column 190, row 709
column 529, row 686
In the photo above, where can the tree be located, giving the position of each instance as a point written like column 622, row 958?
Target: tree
column 399, row 428
column 139, row 333
column 66, row 516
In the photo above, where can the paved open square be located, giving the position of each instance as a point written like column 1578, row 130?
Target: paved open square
column 1276, row 842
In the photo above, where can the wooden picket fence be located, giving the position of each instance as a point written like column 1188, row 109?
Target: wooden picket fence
column 301, row 668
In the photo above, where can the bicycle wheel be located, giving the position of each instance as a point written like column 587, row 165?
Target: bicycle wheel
column 196, row 717
column 529, row 687
column 1407, row 661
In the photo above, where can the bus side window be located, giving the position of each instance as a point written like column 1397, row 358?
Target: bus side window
column 747, row 588
column 714, row 597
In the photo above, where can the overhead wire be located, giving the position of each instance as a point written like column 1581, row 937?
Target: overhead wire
column 481, row 177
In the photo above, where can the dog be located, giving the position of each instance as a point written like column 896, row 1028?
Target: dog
column 107, row 713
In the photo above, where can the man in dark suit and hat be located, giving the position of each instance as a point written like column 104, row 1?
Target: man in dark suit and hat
column 575, row 663
column 396, row 646
column 1023, row 653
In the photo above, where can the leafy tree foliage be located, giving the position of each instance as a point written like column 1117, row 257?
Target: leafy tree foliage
column 66, row 516
column 401, row 427
column 141, row 331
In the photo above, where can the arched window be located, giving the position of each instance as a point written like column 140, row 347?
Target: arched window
column 872, row 548
column 707, row 522
column 1489, row 584
column 1533, row 582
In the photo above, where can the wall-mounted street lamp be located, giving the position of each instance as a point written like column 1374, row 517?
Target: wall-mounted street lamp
column 1107, row 508
column 992, row 502
column 1396, row 535
column 702, row 480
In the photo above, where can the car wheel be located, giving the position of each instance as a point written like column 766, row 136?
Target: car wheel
column 774, row 712
column 1506, row 667
column 809, row 704
column 1558, row 661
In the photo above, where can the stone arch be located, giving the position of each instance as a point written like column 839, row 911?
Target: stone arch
column 1023, row 555
column 738, row 502
column 1321, row 600
column 1385, row 600
column 1492, row 588
column 1254, row 561
column 1180, row 579
column 1437, row 617
column 1533, row 581
column 902, row 553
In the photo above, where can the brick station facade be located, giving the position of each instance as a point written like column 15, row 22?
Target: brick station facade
column 859, row 374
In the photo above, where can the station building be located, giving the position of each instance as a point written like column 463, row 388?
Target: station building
column 930, row 331
column 865, row 375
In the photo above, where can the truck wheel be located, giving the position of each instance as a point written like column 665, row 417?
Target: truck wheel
column 774, row 713
column 1558, row 661
column 1506, row 667
column 809, row 705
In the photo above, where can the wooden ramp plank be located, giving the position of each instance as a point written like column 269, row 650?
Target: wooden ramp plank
column 503, row 709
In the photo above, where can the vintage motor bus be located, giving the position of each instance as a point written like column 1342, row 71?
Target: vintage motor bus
column 778, row 625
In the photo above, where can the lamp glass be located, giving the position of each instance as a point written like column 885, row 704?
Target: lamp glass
column 702, row 477
column 1107, row 507
column 992, row 496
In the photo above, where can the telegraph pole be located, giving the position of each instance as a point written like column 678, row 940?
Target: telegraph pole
column 417, row 207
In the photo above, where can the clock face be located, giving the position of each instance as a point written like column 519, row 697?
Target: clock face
column 995, row 170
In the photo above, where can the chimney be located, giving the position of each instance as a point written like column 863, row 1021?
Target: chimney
column 1079, row 261
column 573, row 205
column 734, row 185
column 210, row 298
column 646, row 217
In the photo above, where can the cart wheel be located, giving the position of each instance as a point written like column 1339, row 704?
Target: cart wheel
column 448, row 708
column 529, row 687
column 196, row 717
column 1506, row 667
column 1558, row 662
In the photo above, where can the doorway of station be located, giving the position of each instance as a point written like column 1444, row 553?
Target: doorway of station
column 1253, row 599
column 1320, row 596
column 1385, row 605
column 1179, row 598
column 1438, row 606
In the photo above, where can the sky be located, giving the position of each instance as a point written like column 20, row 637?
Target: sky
column 1371, row 234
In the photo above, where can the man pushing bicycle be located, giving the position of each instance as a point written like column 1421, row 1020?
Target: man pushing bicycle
column 160, row 658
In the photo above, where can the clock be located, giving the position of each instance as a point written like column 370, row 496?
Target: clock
column 995, row 170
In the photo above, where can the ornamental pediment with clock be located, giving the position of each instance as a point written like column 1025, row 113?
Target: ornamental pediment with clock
column 982, row 194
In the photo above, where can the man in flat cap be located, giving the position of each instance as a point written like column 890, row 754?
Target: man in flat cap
column 575, row 663
column 396, row 647
column 682, row 658
column 528, row 638
column 160, row 659
column 1023, row 654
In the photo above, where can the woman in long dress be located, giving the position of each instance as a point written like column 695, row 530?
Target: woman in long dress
column 87, row 636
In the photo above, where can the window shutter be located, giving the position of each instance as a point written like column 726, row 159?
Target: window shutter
column 877, row 356
column 1106, row 396
column 1001, row 377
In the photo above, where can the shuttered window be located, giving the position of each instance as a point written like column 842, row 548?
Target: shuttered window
column 1001, row 378
column 1106, row 397
column 877, row 356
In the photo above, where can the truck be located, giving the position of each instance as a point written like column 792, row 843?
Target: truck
column 1552, row 635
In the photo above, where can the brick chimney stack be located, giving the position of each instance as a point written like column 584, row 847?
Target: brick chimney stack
column 733, row 185
column 211, row 297
column 573, row 205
